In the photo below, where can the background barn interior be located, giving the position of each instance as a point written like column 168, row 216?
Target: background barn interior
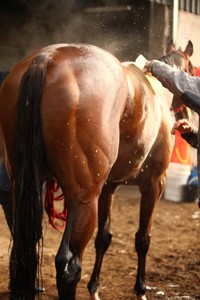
column 126, row 28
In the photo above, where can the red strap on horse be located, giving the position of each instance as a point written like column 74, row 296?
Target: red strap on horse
column 51, row 188
column 178, row 109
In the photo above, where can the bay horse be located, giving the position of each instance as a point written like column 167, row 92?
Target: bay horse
column 73, row 112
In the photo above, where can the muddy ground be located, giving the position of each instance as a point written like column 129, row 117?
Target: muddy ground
column 173, row 263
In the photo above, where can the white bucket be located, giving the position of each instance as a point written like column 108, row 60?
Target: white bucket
column 177, row 176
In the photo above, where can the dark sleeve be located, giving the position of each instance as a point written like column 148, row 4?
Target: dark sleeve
column 191, row 138
column 191, row 100
column 178, row 82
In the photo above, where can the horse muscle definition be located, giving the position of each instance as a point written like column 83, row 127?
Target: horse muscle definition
column 75, row 113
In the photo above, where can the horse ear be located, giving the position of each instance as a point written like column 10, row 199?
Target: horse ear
column 170, row 47
column 189, row 49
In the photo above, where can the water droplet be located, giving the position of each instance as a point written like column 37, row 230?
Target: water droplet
column 161, row 293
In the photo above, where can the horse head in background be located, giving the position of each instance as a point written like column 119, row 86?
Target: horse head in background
column 180, row 60
column 73, row 112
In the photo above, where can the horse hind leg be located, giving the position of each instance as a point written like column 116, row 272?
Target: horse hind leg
column 151, row 193
column 81, row 221
column 103, row 237
column 68, row 267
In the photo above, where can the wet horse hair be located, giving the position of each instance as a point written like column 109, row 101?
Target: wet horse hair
column 27, row 149
column 75, row 113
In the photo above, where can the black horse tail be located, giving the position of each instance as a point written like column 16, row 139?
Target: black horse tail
column 28, row 159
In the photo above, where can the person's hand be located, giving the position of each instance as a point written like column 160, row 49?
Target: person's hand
column 147, row 64
column 183, row 126
column 147, row 67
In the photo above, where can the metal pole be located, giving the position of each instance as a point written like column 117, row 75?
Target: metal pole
column 175, row 20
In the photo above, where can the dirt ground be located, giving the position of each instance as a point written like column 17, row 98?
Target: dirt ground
column 173, row 262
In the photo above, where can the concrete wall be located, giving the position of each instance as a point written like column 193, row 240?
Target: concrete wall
column 189, row 29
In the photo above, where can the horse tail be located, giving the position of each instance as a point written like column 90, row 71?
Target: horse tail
column 28, row 158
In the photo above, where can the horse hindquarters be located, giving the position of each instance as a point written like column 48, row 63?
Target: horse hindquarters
column 70, row 88
column 81, row 148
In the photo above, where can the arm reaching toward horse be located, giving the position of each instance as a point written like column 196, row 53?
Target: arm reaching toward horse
column 182, row 85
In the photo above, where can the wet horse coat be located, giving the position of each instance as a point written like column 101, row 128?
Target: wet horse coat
column 75, row 113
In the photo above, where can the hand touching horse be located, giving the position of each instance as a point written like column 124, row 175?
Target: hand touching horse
column 75, row 113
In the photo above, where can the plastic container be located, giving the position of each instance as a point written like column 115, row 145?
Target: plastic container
column 190, row 192
column 193, row 178
column 177, row 177
column 191, row 189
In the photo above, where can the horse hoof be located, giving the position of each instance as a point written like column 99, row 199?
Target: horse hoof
column 143, row 297
column 39, row 289
column 95, row 296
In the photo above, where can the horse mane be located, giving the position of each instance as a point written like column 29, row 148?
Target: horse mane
column 172, row 59
column 26, row 165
